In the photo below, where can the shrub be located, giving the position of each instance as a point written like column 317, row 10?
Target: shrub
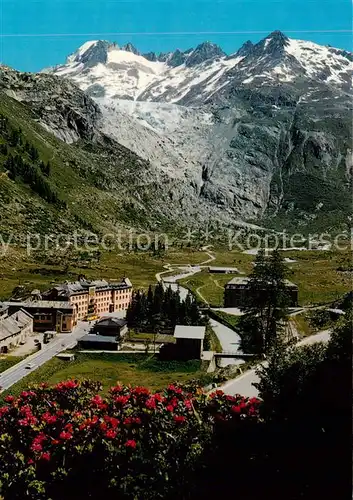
column 67, row 441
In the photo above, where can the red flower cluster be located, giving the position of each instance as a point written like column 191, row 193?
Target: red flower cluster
column 68, row 384
column 52, row 426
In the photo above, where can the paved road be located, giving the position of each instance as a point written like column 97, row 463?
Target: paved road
column 233, row 311
column 230, row 342
column 59, row 344
column 244, row 384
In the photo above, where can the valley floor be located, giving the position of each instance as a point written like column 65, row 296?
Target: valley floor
column 322, row 276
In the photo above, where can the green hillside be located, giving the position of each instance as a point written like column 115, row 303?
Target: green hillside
column 49, row 186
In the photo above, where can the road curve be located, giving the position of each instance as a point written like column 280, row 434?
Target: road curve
column 244, row 384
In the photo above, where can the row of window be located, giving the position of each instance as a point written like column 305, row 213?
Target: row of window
column 99, row 294
column 42, row 317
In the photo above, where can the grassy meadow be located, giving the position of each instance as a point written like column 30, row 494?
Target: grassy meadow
column 322, row 276
column 134, row 369
column 7, row 362
column 42, row 271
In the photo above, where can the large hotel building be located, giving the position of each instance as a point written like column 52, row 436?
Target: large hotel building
column 93, row 298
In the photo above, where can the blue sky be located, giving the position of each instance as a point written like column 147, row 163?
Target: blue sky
column 28, row 27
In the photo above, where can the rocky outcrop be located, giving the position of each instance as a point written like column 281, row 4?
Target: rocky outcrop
column 59, row 105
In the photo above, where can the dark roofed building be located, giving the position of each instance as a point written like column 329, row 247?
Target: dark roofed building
column 111, row 327
column 223, row 270
column 99, row 343
column 58, row 316
column 236, row 293
column 189, row 341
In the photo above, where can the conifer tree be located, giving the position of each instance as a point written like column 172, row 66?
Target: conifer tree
column 266, row 307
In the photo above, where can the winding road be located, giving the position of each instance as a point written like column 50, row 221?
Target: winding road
column 229, row 340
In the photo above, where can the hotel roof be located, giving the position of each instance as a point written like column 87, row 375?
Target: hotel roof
column 245, row 281
column 82, row 286
column 45, row 304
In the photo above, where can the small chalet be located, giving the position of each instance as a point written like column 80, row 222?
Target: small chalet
column 189, row 341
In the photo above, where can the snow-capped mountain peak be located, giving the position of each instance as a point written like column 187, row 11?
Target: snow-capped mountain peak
column 192, row 77
column 131, row 48
column 91, row 52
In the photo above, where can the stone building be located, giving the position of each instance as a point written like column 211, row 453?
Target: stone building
column 92, row 298
column 236, row 293
column 14, row 329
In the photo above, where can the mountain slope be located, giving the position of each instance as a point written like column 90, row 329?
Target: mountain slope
column 94, row 182
column 98, row 183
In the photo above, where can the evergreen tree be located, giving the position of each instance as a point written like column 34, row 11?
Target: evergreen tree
column 33, row 153
column 194, row 313
column 160, row 310
column 266, row 307
column 45, row 168
column 15, row 137
column 150, row 296
column 158, row 299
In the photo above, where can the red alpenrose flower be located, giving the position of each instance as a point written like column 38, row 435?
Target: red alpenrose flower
column 130, row 444
column 4, row 410
column 179, row 419
column 188, row 404
column 36, row 447
column 151, row 403
column 110, row 434
column 65, row 435
column 122, row 400
column 48, row 418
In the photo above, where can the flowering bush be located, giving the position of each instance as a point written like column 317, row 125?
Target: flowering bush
column 67, row 441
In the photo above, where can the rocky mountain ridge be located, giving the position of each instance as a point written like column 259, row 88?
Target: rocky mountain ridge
column 264, row 133
column 238, row 127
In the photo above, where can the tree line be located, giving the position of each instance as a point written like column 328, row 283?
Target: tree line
column 160, row 309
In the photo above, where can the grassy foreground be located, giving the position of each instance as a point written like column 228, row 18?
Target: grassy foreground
column 134, row 369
